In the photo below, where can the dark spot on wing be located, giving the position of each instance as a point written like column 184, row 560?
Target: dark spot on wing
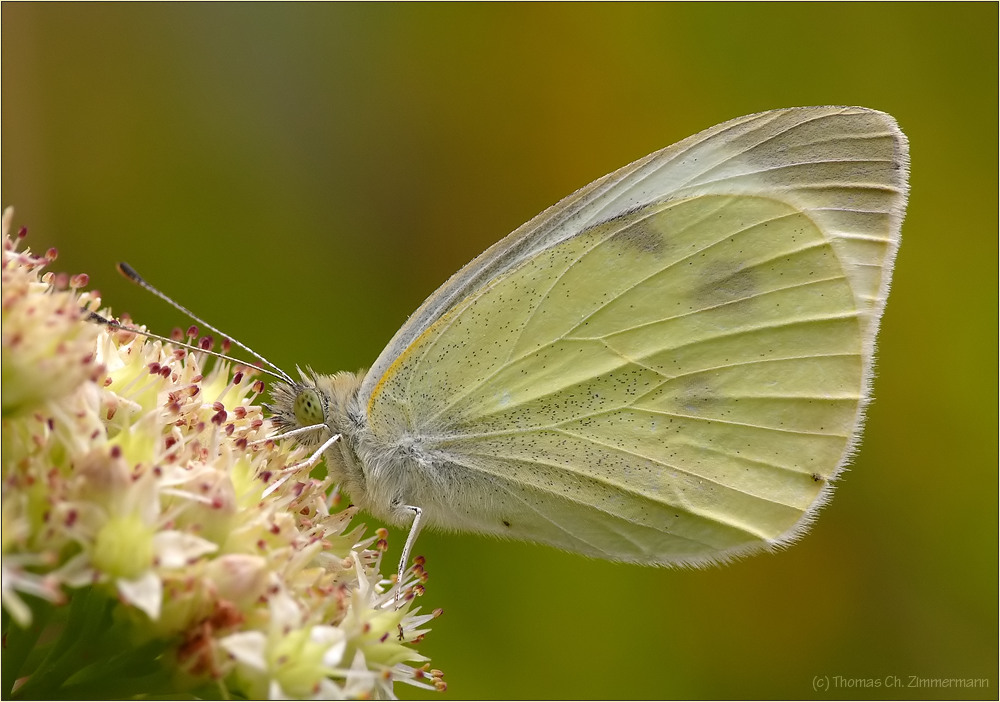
column 640, row 236
column 726, row 283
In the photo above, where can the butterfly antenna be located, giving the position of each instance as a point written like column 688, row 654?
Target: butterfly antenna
column 130, row 273
column 98, row 319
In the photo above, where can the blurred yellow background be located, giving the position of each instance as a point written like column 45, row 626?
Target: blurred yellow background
column 304, row 175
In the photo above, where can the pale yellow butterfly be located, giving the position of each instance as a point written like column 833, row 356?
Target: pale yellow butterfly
column 670, row 366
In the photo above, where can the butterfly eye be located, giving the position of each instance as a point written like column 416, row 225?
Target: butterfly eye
column 308, row 408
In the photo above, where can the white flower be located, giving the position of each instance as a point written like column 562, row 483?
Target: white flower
column 132, row 490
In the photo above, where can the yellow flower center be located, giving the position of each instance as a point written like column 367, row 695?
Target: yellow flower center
column 124, row 547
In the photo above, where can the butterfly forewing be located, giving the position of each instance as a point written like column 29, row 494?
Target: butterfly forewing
column 678, row 380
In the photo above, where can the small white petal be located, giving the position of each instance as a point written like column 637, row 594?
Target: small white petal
column 360, row 681
column 145, row 592
column 329, row 690
column 285, row 613
column 275, row 692
column 15, row 607
column 77, row 571
column 336, row 641
column 248, row 647
column 175, row 549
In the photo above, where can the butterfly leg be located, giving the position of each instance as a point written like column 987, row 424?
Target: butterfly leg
column 307, row 464
column 408, row 546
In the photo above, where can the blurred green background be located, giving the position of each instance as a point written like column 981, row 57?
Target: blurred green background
column 304, row 175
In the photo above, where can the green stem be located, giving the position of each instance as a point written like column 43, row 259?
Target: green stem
column 19, row 644
column 91, row 655
column 86, row 611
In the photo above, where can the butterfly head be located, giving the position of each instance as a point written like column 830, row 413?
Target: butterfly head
column 318, row 402
column 315, row 413
column 297, row 405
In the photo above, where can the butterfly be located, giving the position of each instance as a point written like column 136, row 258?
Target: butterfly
column 670, row 366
